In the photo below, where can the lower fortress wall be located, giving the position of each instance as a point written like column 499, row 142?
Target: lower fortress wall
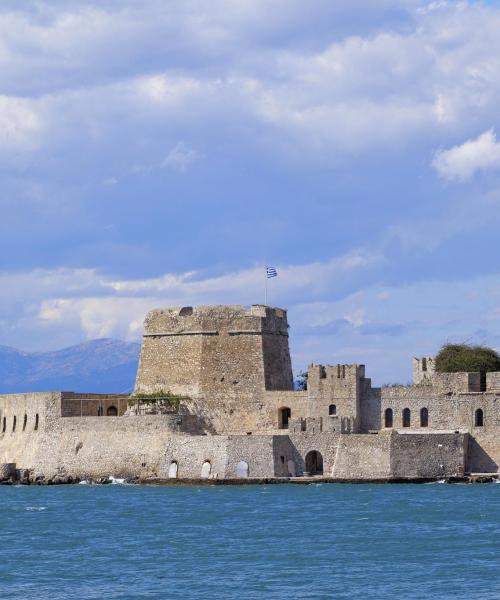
column 147, row 446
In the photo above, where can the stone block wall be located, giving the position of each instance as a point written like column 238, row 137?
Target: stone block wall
column 493, row 381
column 423, row 368
column 423, row 455
column 363, row 456
column 338, row 387
column 214, row 350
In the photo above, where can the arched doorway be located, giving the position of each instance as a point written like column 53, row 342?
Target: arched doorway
column 242, row 469
column 205, row 470
column 284, row 417
column 314, row 463
column 172, row 470
column 112, row 411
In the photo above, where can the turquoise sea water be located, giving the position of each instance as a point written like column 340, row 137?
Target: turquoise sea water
column 275, row 541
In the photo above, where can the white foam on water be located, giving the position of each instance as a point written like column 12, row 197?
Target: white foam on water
column 116, row 480
column 35, row 508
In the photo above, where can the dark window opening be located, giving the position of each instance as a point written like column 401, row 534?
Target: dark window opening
column 424, row 417
column 14, row 424
column 388, row 417
column 282, row 460
column 100, row 411
column 406, row 417
column 112, row 411
column 4, row 425
column 424, row 364
column 36, row 421
column 284, row 417
column 332, row 409
column 25, row 421
column 479, row 418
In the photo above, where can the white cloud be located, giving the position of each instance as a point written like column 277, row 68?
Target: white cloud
column 19, row 124
column 180, row 157
column 463, row 161
column 68, row 304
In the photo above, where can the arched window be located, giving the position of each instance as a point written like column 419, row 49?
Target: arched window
column 4, row 425
column 479, row 418
column 205, row 469
column 406, row 417
column 424, row 417
column 112, row 411
column 332, row 409
column 388, row 417
column 25, row 421
column 14, row 424
column 36, row 422
column 100, row 411
column 284, row 417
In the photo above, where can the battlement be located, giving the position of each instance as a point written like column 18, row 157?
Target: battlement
column 334, row 375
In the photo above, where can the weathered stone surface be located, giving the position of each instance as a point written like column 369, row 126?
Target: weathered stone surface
column 242, row 420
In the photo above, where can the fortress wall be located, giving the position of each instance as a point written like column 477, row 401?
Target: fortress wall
column 296, row 401
column 370, row 409
column 493, row 381
column 325, row 443
column 363, row 456
column 33, row 415
column 484, row 451
column 158, row 372
column 262, row 453
column 428, row 455
column 456, row 411
column 85, row 406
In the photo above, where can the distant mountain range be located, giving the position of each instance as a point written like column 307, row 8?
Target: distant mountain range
column 103, row 365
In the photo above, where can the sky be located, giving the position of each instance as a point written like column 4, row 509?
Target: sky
column 161, row 153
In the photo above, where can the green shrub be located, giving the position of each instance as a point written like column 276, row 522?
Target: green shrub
column 455, row 358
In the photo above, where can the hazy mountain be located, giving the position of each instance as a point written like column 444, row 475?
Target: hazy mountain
column 102, row 365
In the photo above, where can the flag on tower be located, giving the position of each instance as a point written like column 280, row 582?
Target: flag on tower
column 271, row 272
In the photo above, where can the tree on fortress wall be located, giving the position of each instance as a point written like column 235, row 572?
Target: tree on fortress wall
column 455, row 358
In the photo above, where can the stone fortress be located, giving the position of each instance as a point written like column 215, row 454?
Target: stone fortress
column 239, row 416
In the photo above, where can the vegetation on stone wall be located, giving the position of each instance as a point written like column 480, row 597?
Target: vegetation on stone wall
column 455, row 358
column 160, row 400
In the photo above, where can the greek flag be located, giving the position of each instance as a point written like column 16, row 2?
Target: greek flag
column 271, row 272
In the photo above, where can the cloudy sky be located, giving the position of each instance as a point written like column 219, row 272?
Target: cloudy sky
column 156, row 152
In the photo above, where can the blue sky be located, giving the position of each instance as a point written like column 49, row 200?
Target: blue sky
column 160, row 153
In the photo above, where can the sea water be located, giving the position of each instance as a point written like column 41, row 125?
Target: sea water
column 265, row 541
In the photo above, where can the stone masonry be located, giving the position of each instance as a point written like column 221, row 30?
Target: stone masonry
column 239, row 416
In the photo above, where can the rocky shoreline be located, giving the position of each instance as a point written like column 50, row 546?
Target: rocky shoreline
column 9, row 475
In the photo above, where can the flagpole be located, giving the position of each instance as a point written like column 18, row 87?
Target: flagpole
column 265, row 286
